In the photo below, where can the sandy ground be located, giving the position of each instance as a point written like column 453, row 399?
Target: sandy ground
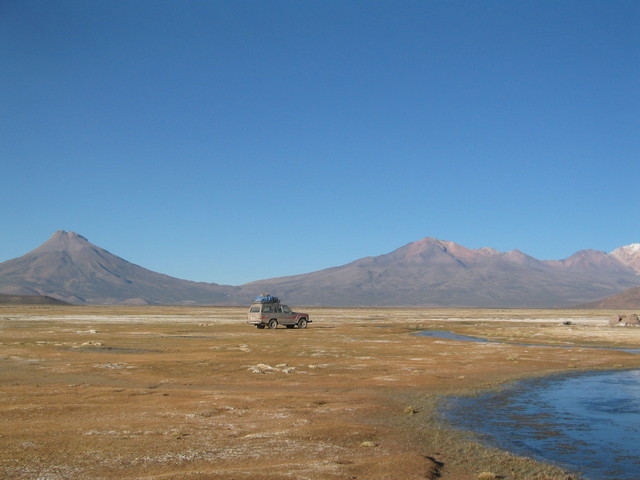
column 196, row 393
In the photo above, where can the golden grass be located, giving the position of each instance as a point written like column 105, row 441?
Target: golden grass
column 195, row 393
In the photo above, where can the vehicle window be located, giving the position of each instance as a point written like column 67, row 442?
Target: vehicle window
column 279, row 309
column 286, row 309
column 255, row 309
column 266, row 309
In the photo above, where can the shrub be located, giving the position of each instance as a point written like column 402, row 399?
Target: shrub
column 487, row 476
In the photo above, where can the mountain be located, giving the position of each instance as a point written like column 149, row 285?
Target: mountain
column 432, row 272
column 629, row 255
column 627, row 300
column 70, row 268
column 429, row 272
column 30, row 300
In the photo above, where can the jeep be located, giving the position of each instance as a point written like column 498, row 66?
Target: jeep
column 273, row 314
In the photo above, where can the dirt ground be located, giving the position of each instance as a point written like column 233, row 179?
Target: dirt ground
column 196, row 393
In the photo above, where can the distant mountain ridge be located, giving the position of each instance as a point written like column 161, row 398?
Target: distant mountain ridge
column 428, row 272
column 30, row 300
column 432, row 272
column 627, row 300
column 72, row 269
column 629, row 255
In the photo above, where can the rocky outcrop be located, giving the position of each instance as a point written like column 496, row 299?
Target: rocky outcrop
column 628, row 320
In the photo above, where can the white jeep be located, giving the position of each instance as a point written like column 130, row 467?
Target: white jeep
column 272, row 314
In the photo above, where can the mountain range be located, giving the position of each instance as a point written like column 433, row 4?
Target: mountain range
column 429, row 272
column 432, row 272
column 72, row 269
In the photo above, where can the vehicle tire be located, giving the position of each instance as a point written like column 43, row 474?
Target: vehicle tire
column 302, row 323
column 260, row 326
column 273, row 323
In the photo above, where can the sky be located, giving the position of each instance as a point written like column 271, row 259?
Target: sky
column 237, row 140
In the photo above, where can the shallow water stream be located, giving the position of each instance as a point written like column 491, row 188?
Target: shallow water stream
column 587, row 422
column 446, row 335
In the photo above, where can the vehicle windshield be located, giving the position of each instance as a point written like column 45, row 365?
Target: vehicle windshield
column 255, row 310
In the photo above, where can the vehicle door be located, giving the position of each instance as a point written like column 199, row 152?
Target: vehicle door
column 267, row 312
column 276, row 312
column 254, row 313
column 287, row 315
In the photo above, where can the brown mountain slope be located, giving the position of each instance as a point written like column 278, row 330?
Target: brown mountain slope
column 70, row 268
column 627, row 300
column 429, row 272
column 433, row 272
column 29, row 300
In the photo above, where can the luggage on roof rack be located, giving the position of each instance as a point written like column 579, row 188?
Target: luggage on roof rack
column 266, row 298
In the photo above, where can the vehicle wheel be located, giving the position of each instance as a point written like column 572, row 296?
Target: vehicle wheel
column 260, row 326
column 302, row 323
column 273, row 323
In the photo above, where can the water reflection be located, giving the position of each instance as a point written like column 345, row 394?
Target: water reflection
column 445, row 335
column 588, row 422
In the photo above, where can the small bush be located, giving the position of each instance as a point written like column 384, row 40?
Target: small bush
column 487, row 476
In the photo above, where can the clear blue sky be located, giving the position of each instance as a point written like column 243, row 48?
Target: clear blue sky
column 231, row 141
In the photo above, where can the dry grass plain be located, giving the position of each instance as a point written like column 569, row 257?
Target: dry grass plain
column 195, row 393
